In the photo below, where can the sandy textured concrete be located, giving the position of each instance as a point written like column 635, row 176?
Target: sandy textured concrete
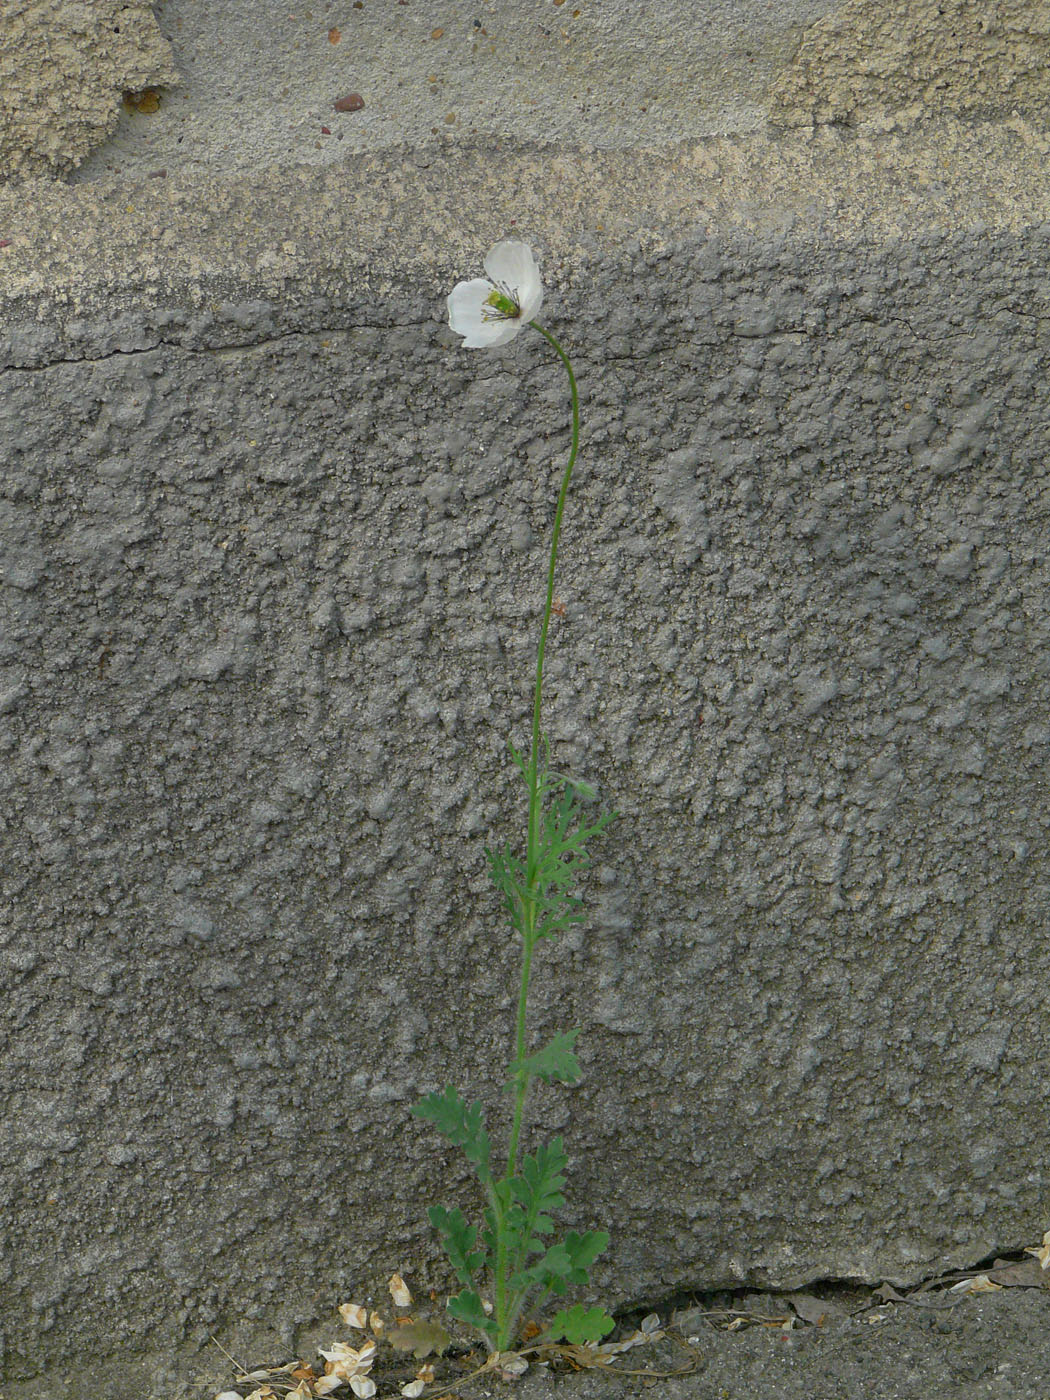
column 922, row 56
column 64, row 68
column 270, row 546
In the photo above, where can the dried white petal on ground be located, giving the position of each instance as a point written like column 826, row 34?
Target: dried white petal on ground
column 981, row 1284
column 362, row 1387
column 342, row 1354
column 425, row 1374
column 349, row 1363
column 400, row 1294
column 324, row 1385
column 1043, row 1253
column 228, row 1395
column 376, row 1323
column 636, row 1339
column 413, row 1388
column 354, row 1315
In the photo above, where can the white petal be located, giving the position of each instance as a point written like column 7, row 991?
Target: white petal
column 411, row 1390
column 362, row 1387
column 354, row 1315
column 467, row 316
column 343, row 1353
column 324, row 1385
column 399, row 1291
column 511, row 264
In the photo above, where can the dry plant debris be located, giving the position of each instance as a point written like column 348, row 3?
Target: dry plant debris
column 346, row 1368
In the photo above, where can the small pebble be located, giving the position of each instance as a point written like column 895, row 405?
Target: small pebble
column 352, row 103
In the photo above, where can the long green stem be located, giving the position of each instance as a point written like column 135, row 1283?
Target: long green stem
column 532, row 844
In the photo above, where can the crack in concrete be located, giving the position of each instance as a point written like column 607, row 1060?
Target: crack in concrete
column 241, row 347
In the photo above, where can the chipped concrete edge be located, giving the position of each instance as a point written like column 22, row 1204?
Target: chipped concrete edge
column 63, row 70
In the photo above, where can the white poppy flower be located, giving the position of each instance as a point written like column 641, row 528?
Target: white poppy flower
column 492, row 310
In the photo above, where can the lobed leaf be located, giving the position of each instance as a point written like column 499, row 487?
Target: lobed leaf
column 468, row 1308
column 555, row 1061
column 583, row 1250
column 577, row 1325
column 459, row 1240
column 537, row 1191
column 463, row 1126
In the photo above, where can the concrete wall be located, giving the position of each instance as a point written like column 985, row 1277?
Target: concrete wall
column 271, row 546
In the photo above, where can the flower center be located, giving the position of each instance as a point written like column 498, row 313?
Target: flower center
column 505, row 306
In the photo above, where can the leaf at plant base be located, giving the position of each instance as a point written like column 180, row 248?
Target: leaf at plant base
column 464, row 1127
column 468, row 1308
column 580, row 1251
column 578, row 1324
column 420, row 1338
column 551, row 1272
column 584, row 1249
column 459, row 1240
column 555, row 1061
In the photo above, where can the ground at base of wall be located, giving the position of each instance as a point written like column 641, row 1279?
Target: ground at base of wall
column 932, row 1346
column 856, row 1345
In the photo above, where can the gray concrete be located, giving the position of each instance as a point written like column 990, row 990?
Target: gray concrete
column 271, row 546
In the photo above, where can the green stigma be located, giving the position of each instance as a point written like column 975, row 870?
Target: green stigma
column 503, row 304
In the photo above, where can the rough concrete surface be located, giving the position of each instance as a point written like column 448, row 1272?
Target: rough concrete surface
column 966, row 57
column 271, row 547
column 63, row 70
column 259, row 80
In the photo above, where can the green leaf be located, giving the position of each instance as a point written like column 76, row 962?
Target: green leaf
column 554, row 1061
column 580, row 791
column 540, row 1184
column 550, row 1272
column 582, row 1251
column 466, row 1306
column 577, row 1325
column 565, row 1265
column 508, row 875
column 463, row 1126
column 459, row 1240
column 537, row 1190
